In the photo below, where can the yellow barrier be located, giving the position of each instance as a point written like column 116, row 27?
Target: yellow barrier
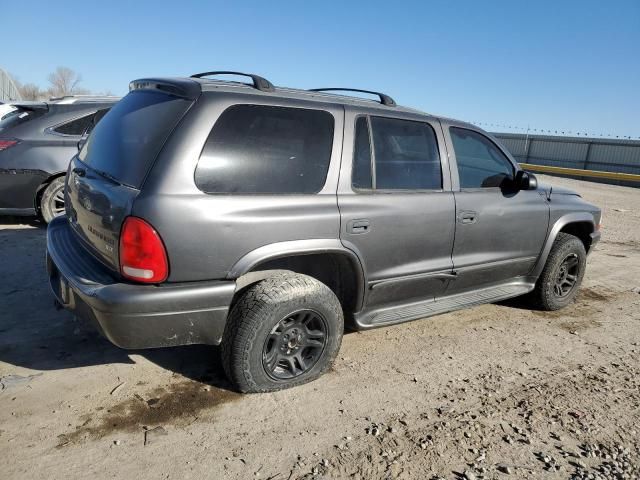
column 631, row 177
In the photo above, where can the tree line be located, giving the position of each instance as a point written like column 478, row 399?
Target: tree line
column 63, row 81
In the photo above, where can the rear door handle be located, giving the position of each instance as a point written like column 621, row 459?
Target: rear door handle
column 360, row 225
column 467, row 217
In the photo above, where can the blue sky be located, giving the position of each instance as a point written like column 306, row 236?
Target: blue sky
column 558, row 65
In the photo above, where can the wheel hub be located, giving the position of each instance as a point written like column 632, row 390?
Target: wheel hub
column 292, row 340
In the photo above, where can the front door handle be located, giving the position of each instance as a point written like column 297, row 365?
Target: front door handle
column 360, row 225
column 467, row 217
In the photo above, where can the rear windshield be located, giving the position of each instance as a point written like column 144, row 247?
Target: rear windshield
column 127, row 140
column 17, row 117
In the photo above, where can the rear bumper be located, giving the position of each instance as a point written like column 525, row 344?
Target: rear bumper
column 129, row 315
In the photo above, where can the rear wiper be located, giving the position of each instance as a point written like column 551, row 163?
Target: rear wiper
column 108, row 176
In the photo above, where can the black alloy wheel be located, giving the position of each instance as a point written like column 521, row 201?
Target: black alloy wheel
column 294, row 345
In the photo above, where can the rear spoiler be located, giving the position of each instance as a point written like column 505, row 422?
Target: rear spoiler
column 30, row 105
column 179, row 87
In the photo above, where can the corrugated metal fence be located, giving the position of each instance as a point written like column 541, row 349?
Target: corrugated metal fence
column 621, row 156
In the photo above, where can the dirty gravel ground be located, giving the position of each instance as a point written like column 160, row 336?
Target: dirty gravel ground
column 490, row 392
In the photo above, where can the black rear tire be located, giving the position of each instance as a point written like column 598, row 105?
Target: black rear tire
column 282, row 332
column 52, row 200
column 562, row 275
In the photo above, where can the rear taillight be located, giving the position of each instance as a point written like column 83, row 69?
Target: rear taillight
column 143, row 257
column 4, row 144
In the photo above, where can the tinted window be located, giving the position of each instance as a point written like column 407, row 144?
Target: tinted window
column 480, row 162
column 262, row 149
column 75, row 127
column 406, row 155
column 361, row 177
column 128, row 139
column 94, row 120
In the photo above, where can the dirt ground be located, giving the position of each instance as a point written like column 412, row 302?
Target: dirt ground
column 497, row 391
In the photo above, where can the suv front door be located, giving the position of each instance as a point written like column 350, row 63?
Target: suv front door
column 396, row 206
column 500, row 231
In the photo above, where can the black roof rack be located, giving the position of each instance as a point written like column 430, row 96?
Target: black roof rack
column 259, row 83
column 384, row 99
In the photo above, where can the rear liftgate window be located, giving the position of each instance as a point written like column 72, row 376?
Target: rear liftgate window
column 127, row 140
column 264, row 149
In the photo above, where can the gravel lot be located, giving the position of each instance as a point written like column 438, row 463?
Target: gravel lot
column 497, row 391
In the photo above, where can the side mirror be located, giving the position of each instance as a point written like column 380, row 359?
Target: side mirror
column 81, row 142
column 526, row 181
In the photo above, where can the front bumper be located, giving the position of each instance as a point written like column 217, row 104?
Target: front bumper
column 133, row 316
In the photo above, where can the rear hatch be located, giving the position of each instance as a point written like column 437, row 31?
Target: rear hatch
column 108, row 173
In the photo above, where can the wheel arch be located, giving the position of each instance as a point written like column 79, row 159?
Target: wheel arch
column 325, row 260
column 579, row 224
column 41, row 188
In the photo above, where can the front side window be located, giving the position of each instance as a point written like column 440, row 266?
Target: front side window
column 480, row 163
column 265, row 149
column 405, row 155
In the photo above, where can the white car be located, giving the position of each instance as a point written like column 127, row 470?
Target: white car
column 5, row 109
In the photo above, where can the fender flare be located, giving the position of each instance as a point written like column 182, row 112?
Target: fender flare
column 274, row 251
column 553, row 233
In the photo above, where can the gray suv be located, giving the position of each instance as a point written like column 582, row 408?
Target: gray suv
column 267, row 219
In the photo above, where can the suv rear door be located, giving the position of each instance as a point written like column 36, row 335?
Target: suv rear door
column 500, row 231
column 396, row 205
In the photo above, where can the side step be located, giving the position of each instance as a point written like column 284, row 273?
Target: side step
column 412, row 311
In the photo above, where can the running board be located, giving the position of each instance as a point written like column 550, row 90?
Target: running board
column 413, row 311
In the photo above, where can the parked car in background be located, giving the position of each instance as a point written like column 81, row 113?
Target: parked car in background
column 37, row 140
column 262, row 219
column 5, row 109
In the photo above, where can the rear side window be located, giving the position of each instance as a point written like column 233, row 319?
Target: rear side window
column 265, row 149
column 480, row 163
column 362, row 176
column 75, row 127
column 405, row 156
column 126, row 142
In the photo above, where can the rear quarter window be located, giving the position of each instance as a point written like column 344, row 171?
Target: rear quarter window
column 75, row 127
column 255, row 149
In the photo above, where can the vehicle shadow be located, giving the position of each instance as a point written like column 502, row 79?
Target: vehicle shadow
column 37, row 336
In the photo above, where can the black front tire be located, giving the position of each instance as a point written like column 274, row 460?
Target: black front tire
column 562, row 275
column 52, row 200
column 254, row 325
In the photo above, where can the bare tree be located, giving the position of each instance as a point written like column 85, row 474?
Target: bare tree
column 64, row 81
column 30, row 91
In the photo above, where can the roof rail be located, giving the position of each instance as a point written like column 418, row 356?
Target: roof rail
column 259, row 83
column 384, row 99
